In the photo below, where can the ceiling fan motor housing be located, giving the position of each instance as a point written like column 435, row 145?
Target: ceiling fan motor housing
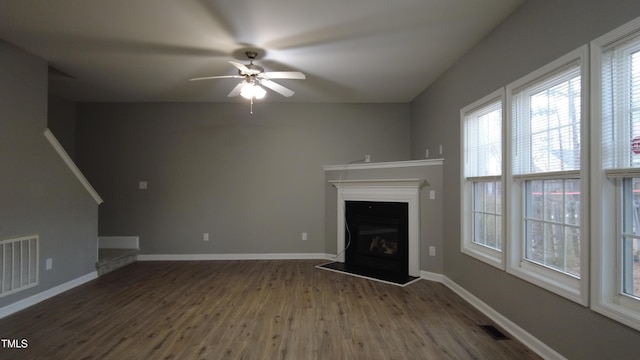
column 253, row 70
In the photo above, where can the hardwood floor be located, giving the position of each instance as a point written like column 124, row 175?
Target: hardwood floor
column 252, row 310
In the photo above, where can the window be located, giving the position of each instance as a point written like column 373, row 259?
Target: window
column 547, row 178
column 616, row 191
column 482, row 185
column 569, row 182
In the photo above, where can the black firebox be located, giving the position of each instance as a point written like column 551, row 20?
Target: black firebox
column 377, row 239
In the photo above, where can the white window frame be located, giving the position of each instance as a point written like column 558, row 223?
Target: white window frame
column 570, row 287
column 606, row 198
column 483, row 253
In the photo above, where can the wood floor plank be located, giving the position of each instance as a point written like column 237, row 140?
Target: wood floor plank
column 279, row 309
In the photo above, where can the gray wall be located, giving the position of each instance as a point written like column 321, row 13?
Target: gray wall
column 537, row 33
column 430, row 209
column 62, row 123
column 254, row 183
column 38, row 193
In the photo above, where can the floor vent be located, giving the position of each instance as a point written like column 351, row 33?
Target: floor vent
column 18, row 264
column 494, row 332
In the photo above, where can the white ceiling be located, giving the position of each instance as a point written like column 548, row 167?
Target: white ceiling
column 146, row 50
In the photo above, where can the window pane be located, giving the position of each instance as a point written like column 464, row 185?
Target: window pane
column 572, row 202
column 631, row 237
column 535, row 241
column 553, row 200
column 479, row 196
column 631, row 270
column 490, row 198
column 486, row 213
column 572, row 251
column 491, row 230
column 479, row 227
column 498, row 197
column 551, row 239
column 498, row 242
column 536, row 200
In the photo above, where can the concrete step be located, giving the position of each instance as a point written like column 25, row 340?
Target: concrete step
column 113, row 259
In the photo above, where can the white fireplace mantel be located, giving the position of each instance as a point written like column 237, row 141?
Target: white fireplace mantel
column 386, row 190
column 378, row 183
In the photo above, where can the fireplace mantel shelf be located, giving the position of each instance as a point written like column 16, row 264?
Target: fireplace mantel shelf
column 366, row 183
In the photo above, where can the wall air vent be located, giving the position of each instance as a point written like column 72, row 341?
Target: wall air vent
column 494, row 332
column 18, row 264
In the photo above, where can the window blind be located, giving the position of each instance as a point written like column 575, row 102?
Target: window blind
column 546, row 123
column 483, row 143
column 621, row 105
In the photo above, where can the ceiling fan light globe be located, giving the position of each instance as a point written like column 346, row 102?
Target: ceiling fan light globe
column 259, row 92
column 251, row 90
column 247, row 91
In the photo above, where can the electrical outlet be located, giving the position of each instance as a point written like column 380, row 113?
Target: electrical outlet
column 432, row 251
column 426, row 154
column 205, row 237
column 432, row 194
column 142, row 185
column 49, row 264
column 304, row 236
column 367, row 158
column 440, row 149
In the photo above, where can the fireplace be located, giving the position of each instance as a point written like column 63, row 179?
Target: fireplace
column 377, row 238
column 399, row 254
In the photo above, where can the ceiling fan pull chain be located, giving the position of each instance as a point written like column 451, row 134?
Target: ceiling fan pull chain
column 251, row 111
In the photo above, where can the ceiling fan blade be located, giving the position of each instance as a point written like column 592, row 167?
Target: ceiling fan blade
column 277, row 88
column 284, row 75
column 218, row 77
column 242, row 67
column 236, row 90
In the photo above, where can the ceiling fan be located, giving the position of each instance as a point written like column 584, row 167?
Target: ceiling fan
column 253, row 77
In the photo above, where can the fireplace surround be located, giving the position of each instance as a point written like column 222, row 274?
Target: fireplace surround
column 393, row 191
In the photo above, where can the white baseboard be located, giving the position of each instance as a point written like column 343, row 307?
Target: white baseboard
column 201, row 257
column 516, row 331
column 426, row 275
column 118, row 242
column 32, row 300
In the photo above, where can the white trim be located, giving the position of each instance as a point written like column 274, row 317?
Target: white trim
column 431, row 276
column 513, row 329
column 119, row 242
column 377, row 183
column 208, row 257
column 621, row 172
column 605, row 198
column 488, row 255
column 32, row 300
column 72, row 166
column 564, row 285
column 384, row 165
column 629, row 29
